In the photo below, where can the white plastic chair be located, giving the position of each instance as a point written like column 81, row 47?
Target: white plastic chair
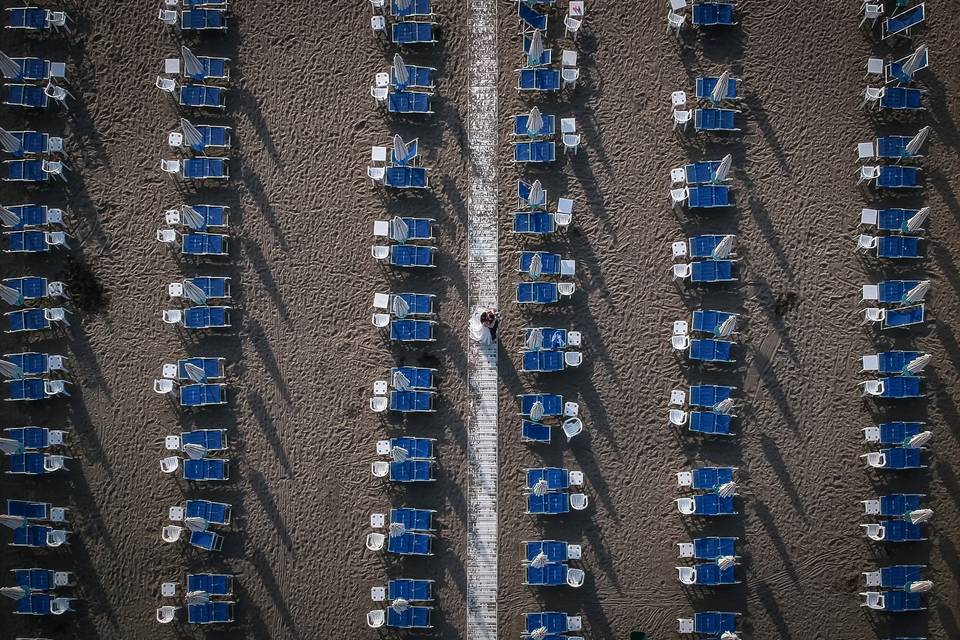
column 59, row 94
column 566, row 289
column 168, row 85
column 380, row 469
column 58, row 19
column 574, row 552
column 169, row 464
column 375, row 541
column 168, row 589
column 54, row 388
column 873, row 600
column 170, row 166
column 59, row 606
column 680, row 343
column 379, row 94
column 171, row 533
column 682, row 271
column 872, row 578
column 380, row 252
column 678, row 196
column 167, row 236
column 869, row 216
column 572, row 358
column 53, row 167
column 378, row 520
column 571, row 26
column 168, row 17
column 867, row 173
column 166, row 614
column 871, row 12
column 63, row 579
column 574, row 623
column 678, row 175
column 57, row 537
column 378, row 24
column 678, row 398
column 55, row 314
column 686, row 506
column 579, row 501
column 571, row 142
column 688, row 575
column 176, row 513
column 570, row 76
column 162, row 386
column 675, row 23
column 378, row 404
column 684, row 479
column 874, row 314
column 53, row 463
column 575, row 577
column 681, row 118
column 381, row 320
column 381, row 301
column 376, row 618
column 380, row 389
column 376, row 5
column 875, row 459
column 677, row 417
column 875, row 532
column 172, row 316
column 572, row 427
column 871, row 96
column 376, row 174
column 872, row 387
column 381, row 228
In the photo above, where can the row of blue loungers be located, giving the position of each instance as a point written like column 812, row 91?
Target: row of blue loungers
column 37, row 590
column 897, row 376
column 550, row 492
column 200, row 303
column 405, row 317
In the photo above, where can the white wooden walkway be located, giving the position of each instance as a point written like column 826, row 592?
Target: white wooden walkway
column 482, row 360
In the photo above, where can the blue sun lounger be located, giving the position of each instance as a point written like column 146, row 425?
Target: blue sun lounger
column 209, row 439
column 28, row 463
column 552, row 574
column 30, row 437
column 893, row 147
column 206, row 469
column 32, row 535
column 416, row 448
column 405, row 177
column 703, row 172
column 28, row 18
column 897, row 432
column 706, row 85
column 530, row 18
column 539, row 79
column 407, row 330
column 213, row 584
column 206, row 540
column 708, row 321
column 556, row 478
column 212, row 512
column 539, row 293
column 552, row 404
column 890, row 361
column 412, row 519
column 412, row 471
column 408, row 102
column 898, row 177
column 901, row 458
column 213, row 368
column 205, row 244
column 552, row 338
column 900, row 387
column 26, row 320
column 29, row 96
column 30, row 364
column 543, row 361
column 539, row 223
column 32, row 143
column 903, row 317
column 412, row 401
column 206, row 317
column 409, row 618
column 412, row 33
column 709, row 574
column 901, row 531
column 418, row 78
column 546, row 57
column 534, row 431
column 551, row 503
column 26, row 242
column 35, row 604
column 411, row 543
column 711, row 504
column 411, row 255
column 897, row 505
column 899, row 576
column 203, row 20
column 211, row 137
column 710, row 423
column 418, row 377
column 214, row 215
column 210, row 69
column 417, row 228
column 888, row 219
column 535, row 151
column 710, row 478
column 202, row 96
column 902, row 22
column 25, row 171
column 32, row 69
column 710, row 14
column 551, row 263
column 555, row 550
column 415, row 8
column 709, row 350
column 893, row 71
column 523, row 197
column 421, row 304
column 28, row 509
column 703, row 246
column 29, row 287
column 714, row 119
column 34, row 215
column 709, row 395
column 901, row 98
column 555, row 622
column 708, row 196
column 547, row 129
column 25, row 390
column 212, row 612
column 715, row 623
column 706, row 271
column 205, row 168
column 34, row 579
column 900, row 601
column 714, row 548
column 203, row 395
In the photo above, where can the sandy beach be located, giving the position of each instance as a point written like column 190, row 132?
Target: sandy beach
column 303, row 354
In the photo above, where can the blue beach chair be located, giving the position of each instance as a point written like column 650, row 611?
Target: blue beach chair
column 534, row 151
column 893, row 362
column 416, row 448
column 31, row 288
column 706, row 505
column 408, row 102
column 523, row 197
column 213, row 368
column 412, row 471
column 201, row 244
column 26, row 171
column 709, row 321
column 551, row 338
column 894, row 531
column 706, row 85
column 410, row 590
column 35, row 437
column 894, row 388
column 206, row 540
column 895, row 576
column 35, row 604
column 33, row 241
column 545, row 58
column 202, row 96
column 418, row 304
column 893, row 147
column 710, row 14
column 549, row 504
column 411, row 543
column 28, row 96
column 543, row 361
column 35, row 69
column 898, row 177
column 710, row 623
column 32, row 389
column 212, row 612
column 35, row 579
column 414, row 8
column 203, row 20
column 212, row 512
column 708, row 574
column 418, row 78
column 710, row 423
column 555, row 622
column 902, row 317
column 406, row 33
column 530, row 18
column 34, row 463
column 890, row 219
column 34, row 19
column 212, row 138
column 417, row 377
column 405, row 255
column 214, row 215
column 537, row 223
column 206, row 469
column 892, row 432
column 210, row 69
column 551, row 264
column 33, row 319
column 546, row 130
column 28, row 509
column 413, row 519
column 553, row 574
column 35, row 215
column 712, row 548
column 34, row 143
column 895, row 458
column 418, row 229
column 543, row 292
column 32, row 364
column 38, row 537
column 406, row 177
column 708, row 196
column 709, row 350
column 714, row 119
column 704, row 246
column 892, row 601
column 893, row 71
column 704, row 172
column 903, row 22
column 901, row 99
column 199, row 317
column 534, row 431
column 412, row 401
column 209, row 439
column 555, row 550
column 709, row 395
column 214, row 584
column 894, row 505
column 408, row 330
column 544, row 79
column 199, row 168
column 705, row 478
column 556, row 478
column 416, row 617
column 202, row 395
column 552, row 404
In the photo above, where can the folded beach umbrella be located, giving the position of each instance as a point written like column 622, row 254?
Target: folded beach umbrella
column 401, row 74
column 540, row 632
column 197, row 597
column 194, row 451
column 535, row 340
column 725, row 562
column 539, row 561
column 536, row 48
column 399, row 307
column 192, row 218
column 910, row 66
column 727, row 489
column 723, row 249
column 10, row 371
column 918, row 440
column 723, row 169
column 397, row 529
column 720, row 89
column 399, row 454
column 194, row 372
column 918, row 293
column 10, row 142
column 920, row 515
column 400, row 381
column 537, row 196
column 9, row 67
column 401, row 150
column 9, row 446
column 724, row 406
column 918, row 364
column 399, row 605
column 191, row 63
column 729, row 635
column 195, row 524
column 403, row 5
column 194, row 293
column 10, row 295
column 916, row 142
column 536, row 266
column 9, row 218
column 916, row 220
column 540, row 487
column 399, row 230
column 191, row 134
column 919, row 586
column 726, row 328
column 14, row 593
column 14, row 522
column 536, row 411
column 534, row 121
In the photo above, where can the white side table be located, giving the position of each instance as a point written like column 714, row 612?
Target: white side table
column 172, row 66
